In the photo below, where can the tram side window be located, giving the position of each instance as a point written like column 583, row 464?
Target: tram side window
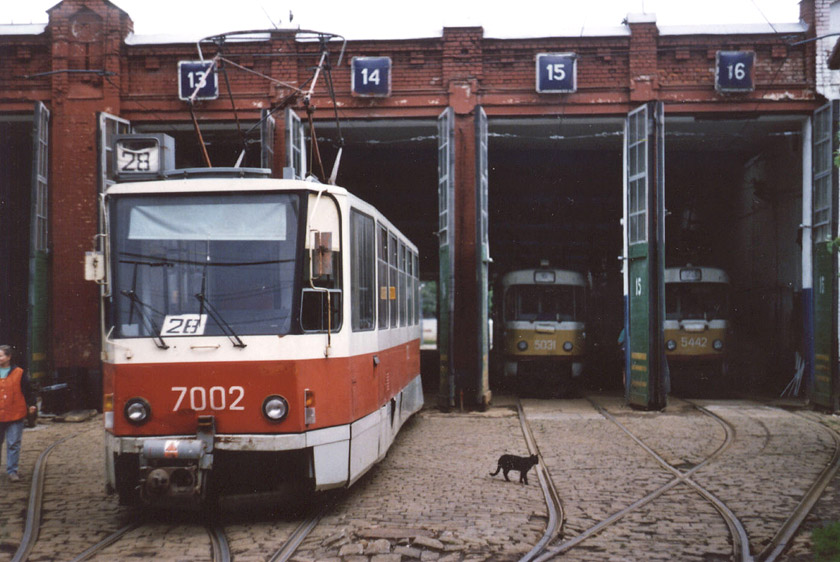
column 403, row 283
column 393, row 253
column 416, row 289
column 412, row 286
column 382, row 247
column 362, row 259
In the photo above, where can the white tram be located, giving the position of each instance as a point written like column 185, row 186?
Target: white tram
column 258, row 335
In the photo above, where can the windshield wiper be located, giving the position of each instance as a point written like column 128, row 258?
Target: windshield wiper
column 155, row 331
column 214, row 314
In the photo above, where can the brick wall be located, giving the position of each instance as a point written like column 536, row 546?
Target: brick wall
column 461, row 68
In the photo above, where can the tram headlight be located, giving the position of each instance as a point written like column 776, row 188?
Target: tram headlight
column 718, row 345
column 137, row 411
column 567, row 346
column 275, row 408
column 671, row 345
column 522, row 346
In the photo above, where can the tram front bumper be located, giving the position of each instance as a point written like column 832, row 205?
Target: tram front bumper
column 177, row 468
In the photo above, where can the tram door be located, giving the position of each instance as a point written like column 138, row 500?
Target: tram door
column 823, row 357
column 482, row 258
column 645, row 385
column 38, row 309
column 446, row 254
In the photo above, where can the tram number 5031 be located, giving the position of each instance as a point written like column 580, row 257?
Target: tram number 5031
column 214, row 398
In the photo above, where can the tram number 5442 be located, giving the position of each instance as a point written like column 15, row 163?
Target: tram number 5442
column 215, row 398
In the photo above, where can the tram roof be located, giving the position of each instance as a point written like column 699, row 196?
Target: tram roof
column 219, row 184
column 527, row 277
column 695, row 274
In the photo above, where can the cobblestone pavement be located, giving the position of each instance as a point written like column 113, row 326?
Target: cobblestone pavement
column 432, row 497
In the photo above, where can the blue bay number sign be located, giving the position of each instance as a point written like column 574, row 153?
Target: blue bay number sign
column 197, row 74
column 371, row 76
column 734, row 71
column 556, row 73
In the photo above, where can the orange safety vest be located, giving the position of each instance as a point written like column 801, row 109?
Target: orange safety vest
column 12, row 402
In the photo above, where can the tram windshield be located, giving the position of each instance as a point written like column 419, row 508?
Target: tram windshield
column 191, row 264
column 546, row 303
column 696, row 301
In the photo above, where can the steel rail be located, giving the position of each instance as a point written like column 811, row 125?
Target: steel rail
column 556, row 513
column 300, row 533
column 36, row 498
column 107, row 541
column 781, row 539
column 219, row 545
column 737, row 531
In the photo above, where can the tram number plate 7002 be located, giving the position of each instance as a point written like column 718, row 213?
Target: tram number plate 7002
column 214, row 398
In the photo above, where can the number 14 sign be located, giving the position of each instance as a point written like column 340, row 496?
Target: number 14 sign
column 371, row 76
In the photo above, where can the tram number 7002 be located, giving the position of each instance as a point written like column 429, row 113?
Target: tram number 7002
column 216, row 398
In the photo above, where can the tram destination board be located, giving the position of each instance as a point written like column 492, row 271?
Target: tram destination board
column 734, row 71
column 200, row 75
column 556, row 73
column 371, row 76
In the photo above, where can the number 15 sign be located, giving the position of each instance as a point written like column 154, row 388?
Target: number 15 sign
column 556, row 73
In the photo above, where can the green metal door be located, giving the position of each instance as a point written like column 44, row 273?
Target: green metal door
column 446, row 255
column 646, row 383
column 824, row 222
column 38, row 309
column 482, row 257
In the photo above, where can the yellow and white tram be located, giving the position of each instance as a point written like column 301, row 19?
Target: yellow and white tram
column 544, row 313
column 258, row 335
column 697, row 322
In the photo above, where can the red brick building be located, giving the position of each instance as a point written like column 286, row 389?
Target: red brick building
column 95, row 77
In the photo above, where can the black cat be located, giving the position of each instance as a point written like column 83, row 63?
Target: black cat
column 512, row 462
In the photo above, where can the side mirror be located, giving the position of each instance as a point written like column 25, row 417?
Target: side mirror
column 95, row 267
column 322, row 255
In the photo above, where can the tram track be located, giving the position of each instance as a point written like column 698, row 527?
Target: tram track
column 553, row 502
column 739, row 537
column 741, row 546
column 33, row 510
column 781, row 540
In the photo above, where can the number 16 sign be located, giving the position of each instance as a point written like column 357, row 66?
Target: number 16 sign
column 734, row 71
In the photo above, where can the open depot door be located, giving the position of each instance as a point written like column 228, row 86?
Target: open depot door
column 646, row 382
column 446, row 254
column 821, row 329
column 38, row 309
column 482, row 258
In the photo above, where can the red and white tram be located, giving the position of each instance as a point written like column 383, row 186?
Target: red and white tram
column 258, row 335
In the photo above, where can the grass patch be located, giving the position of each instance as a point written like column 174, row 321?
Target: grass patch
column 827, row 543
